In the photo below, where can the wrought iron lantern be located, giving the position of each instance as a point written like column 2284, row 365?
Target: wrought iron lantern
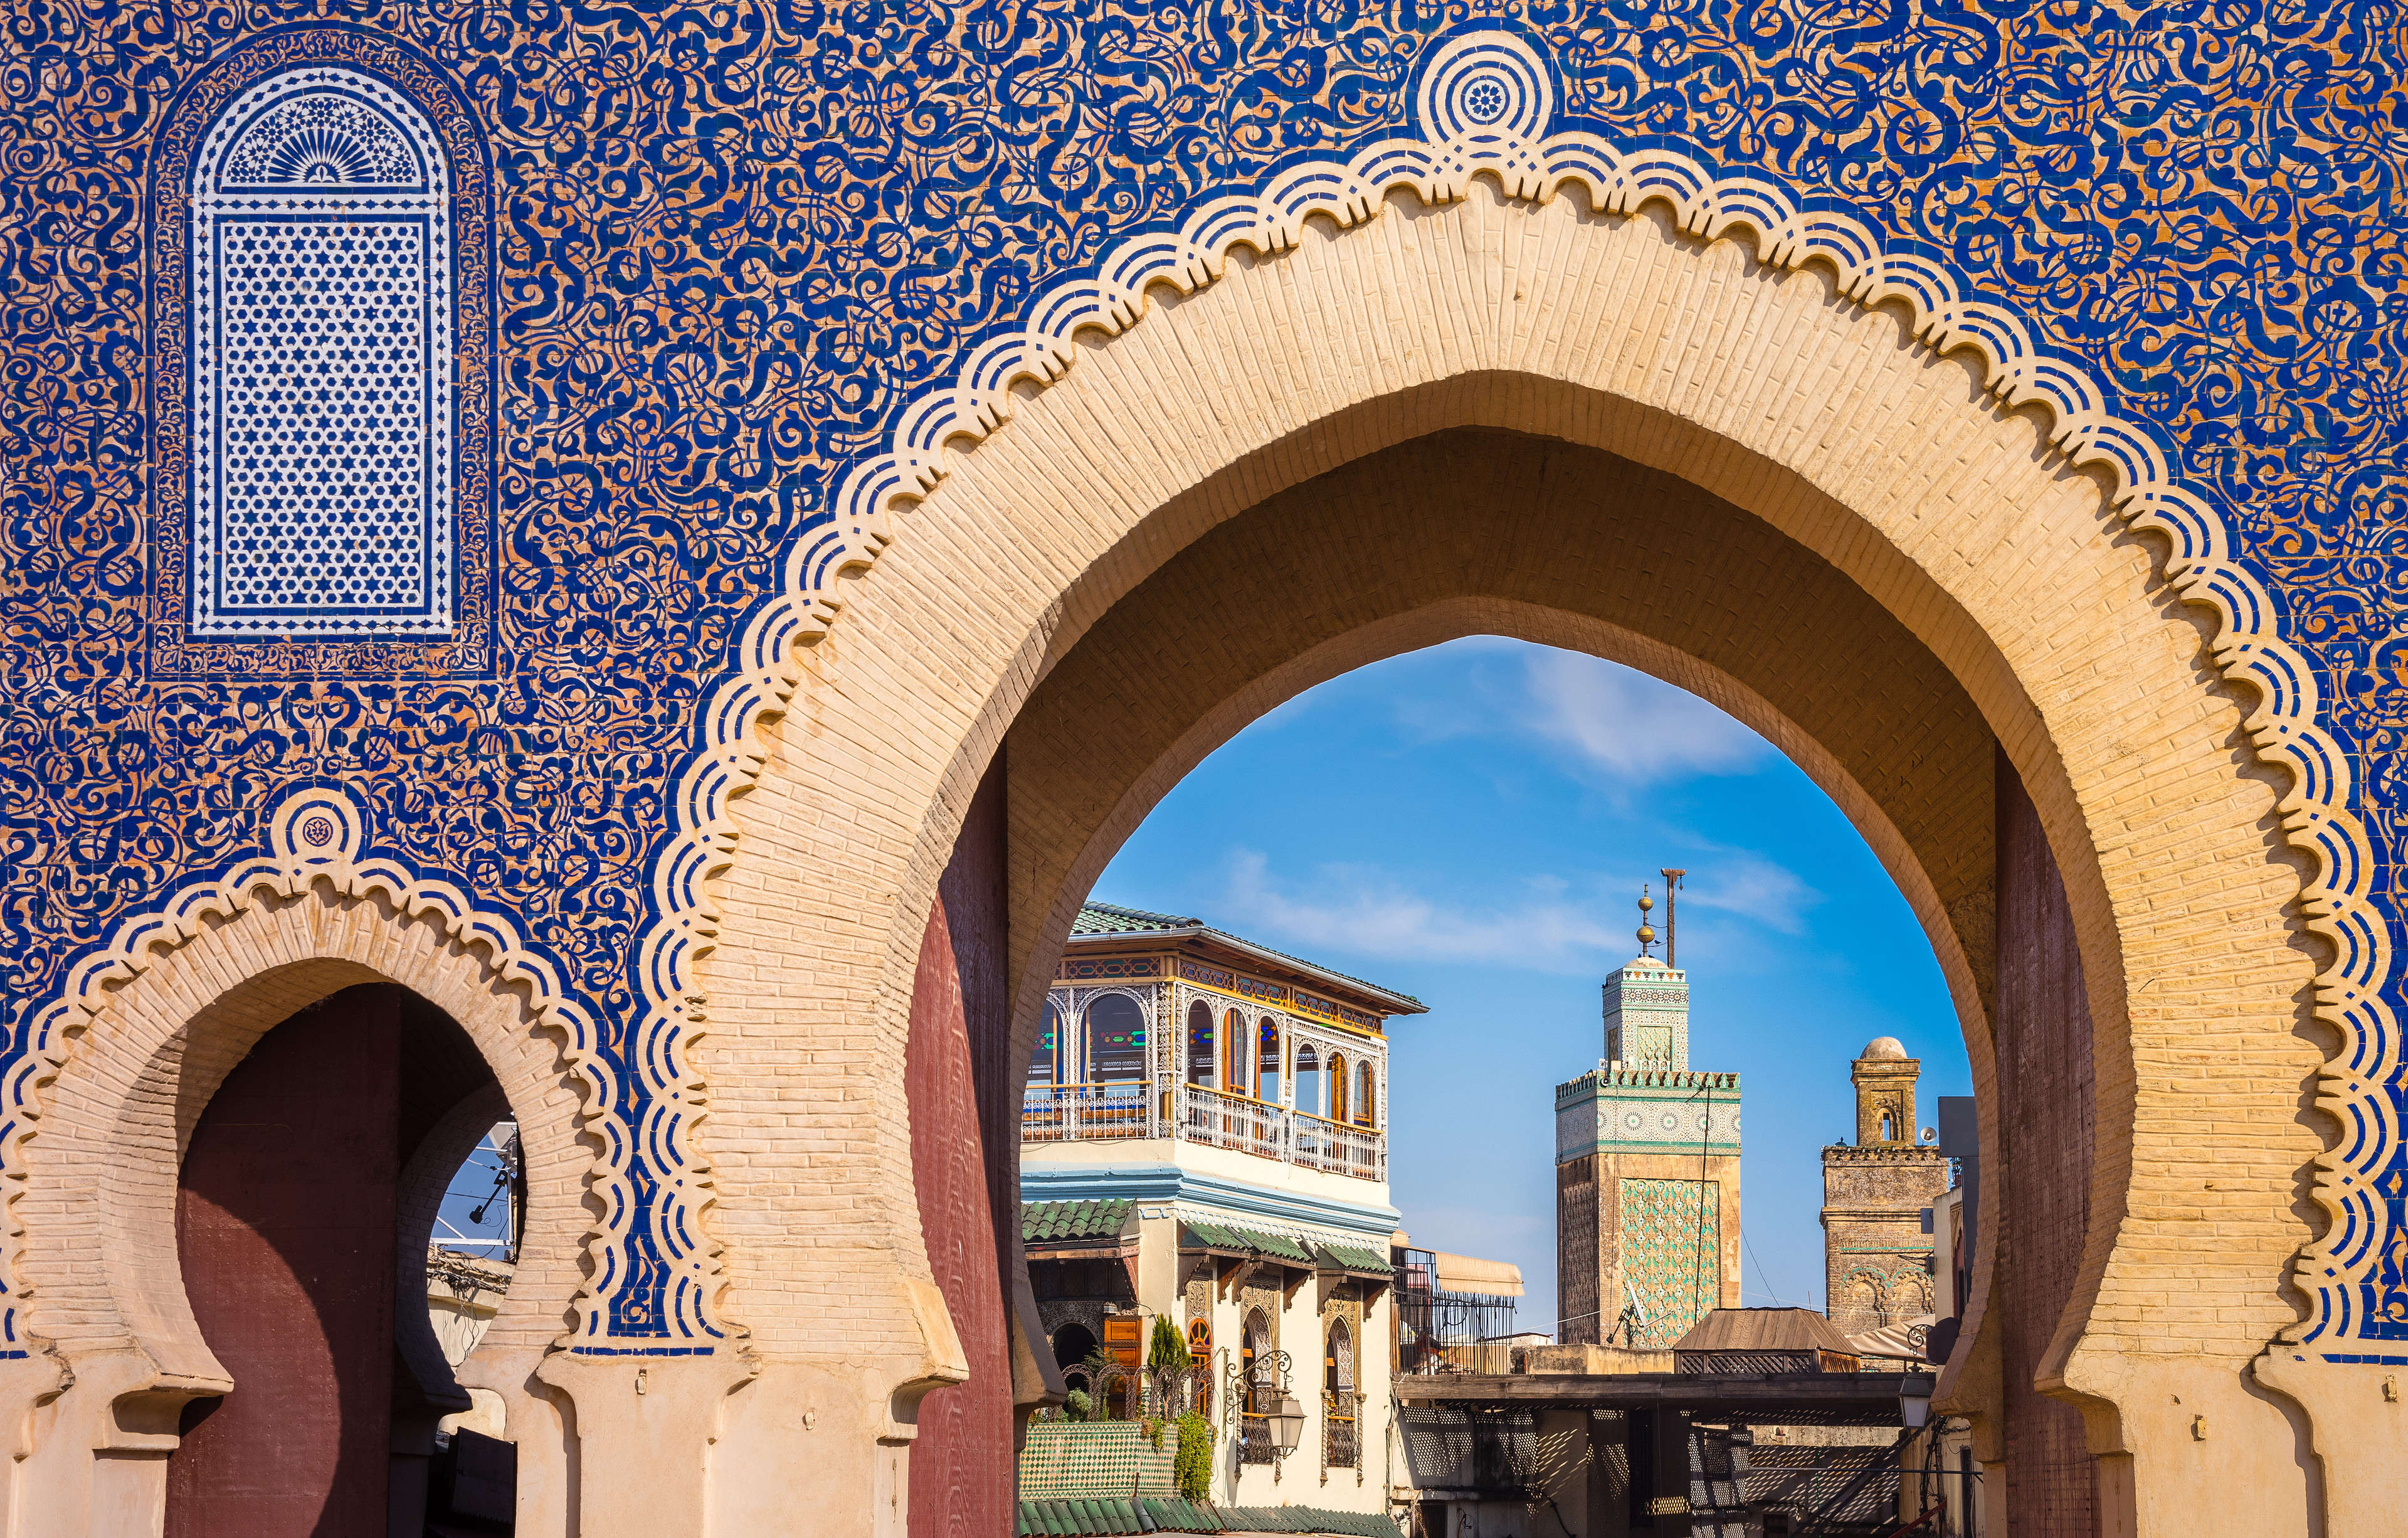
column 1287, row 1424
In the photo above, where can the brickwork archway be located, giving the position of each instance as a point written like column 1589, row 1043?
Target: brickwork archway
column 96, row 1267
column 1618, row 351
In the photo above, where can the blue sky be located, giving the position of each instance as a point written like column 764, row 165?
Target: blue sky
column 1470, row 824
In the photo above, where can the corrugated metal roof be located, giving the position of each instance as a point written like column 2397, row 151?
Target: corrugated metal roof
column 1057, row 1220
column 1098, row 919
column 1764, row 1329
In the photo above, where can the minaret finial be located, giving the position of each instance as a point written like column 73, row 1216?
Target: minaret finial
column 1646, row 930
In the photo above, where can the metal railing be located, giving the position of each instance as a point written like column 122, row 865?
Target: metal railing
column 1341, row 1446
column 1321, row 1143
column 1232, row 1121
column 1124, row 1109
column 1084, row 1113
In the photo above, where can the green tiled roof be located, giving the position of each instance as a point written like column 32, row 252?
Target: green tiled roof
column 1215, row 1236
column 1104, row 918
column 1347, row 1257
column 1057, row 1220
column 1356, row 1524
column 1166, row 1513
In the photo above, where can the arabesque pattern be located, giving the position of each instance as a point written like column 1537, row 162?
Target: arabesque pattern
column 751, row 264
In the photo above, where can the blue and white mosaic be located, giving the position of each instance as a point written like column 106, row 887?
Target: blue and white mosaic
column 690, row 272
column 321, row 309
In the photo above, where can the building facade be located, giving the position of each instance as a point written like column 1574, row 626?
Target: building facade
column 1647, row 1174
column 805, row 484
column 1204, row 1138
column 1877, row 1197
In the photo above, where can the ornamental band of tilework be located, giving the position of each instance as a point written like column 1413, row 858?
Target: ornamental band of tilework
column 687, row 390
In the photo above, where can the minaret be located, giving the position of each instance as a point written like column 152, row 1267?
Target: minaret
column 1876, row 1254
column 1646, row 1170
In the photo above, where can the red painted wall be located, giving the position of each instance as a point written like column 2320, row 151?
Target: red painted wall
column 965, row 1132
column 2045, row 1114
column 284, row 1227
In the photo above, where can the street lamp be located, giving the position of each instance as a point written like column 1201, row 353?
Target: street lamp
column 1914, row 1402
column 1287, row 1425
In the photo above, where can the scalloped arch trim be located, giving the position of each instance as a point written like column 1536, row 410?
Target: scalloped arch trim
column 1485, row 105
column 314, row 835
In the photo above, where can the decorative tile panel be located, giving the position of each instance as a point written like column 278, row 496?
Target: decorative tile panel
column 724, row 285
column 322, row 336
column 1671, row 1254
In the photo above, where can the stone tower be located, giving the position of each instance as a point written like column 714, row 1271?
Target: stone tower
column 1646, row 1173
column 1876, row 1256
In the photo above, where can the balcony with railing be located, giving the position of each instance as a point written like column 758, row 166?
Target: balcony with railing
column 1086, row 1113
column 1124, row 1109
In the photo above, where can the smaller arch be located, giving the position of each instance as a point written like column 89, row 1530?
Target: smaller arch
column 1338, row 1100
column 1271, row 1059
column 1337, row 1362
column 1367, row 1094
column 1309, row 1085
column 1237, row 1073
column 1045, row 1058
column 1200, row 1044
column 1115, row 1038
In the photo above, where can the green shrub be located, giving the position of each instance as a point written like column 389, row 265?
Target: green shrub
column 1076, row 1405
column 1168, row 1347
column 1192, row 1467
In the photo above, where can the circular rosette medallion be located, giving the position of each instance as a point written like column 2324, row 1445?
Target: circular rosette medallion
column 1485, row 86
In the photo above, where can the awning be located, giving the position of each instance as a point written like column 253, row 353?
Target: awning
column 1229, row 1240
column 1355, row 1262
column 1487, row 1278
column 1052, row 1222
column 1114, row 1516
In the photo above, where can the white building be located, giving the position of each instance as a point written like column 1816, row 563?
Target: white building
column 1204, row 1138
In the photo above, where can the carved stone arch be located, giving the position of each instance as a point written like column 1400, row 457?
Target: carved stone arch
column 1612, row 339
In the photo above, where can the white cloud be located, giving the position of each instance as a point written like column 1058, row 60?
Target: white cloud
column 1750, row 887
column 1552, row 929
column 1357, row 911
column 1631, row 726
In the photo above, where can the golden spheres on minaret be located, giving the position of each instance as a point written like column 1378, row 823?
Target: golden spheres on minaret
column 1646, row 930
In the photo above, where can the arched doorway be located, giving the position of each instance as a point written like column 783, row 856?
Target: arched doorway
column 1841, row 539
column 305, row 1206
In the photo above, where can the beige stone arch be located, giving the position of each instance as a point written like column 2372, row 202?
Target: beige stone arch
column 101, row 1293
column 1764, row 390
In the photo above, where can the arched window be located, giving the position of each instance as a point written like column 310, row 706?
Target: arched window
column 1267, row 1060
column 1237, row 1075
column 1115, row 1039
column 1044, row 1060
column 1337, row 1362
column 322, row 356
column 1337, row 1100
column 1199, row 1042
column 1367, row 1095
column 1259, row 1368
column 1308, row 1079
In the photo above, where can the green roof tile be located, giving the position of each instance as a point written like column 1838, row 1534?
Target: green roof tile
column 1057, row 1220
column 1104, row 918
column 1347, row 1257
column 1224, row 1236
